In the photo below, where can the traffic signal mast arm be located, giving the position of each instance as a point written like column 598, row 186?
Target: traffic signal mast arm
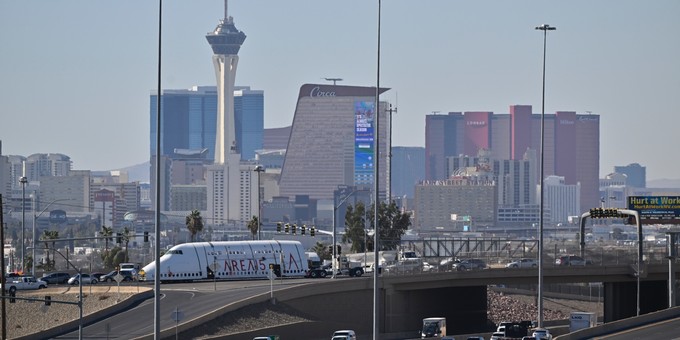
column 610, row 213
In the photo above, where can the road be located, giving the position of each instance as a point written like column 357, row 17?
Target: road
column 191, row 299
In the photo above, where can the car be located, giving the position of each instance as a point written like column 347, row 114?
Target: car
column 475, row 337
column 542, row 333
column 497, row 335
column 347, row 333
column 570, row 260
column 126, row 274
column 469, row 264
column 56, row 278
column 529, row 338
column 523, row 263
column 85, row 278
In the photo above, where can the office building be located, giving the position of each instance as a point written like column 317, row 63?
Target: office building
column 331, row 141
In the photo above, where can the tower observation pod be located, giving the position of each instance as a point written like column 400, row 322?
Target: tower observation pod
column 225, row 41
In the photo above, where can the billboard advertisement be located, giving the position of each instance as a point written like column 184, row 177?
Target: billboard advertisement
column 363, row 142
column 656, row 209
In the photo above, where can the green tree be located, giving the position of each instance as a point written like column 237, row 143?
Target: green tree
column 355, row 227
column 322, row 250
column 253, row 226
column 194, row 223
column 393, row 225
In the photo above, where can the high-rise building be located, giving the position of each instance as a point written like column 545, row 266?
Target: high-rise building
column 249, row 121
column 331, row 141
column 408, row 168
column 561, row 199
column 636, row 174
column 515, row 178
column 190, row 120
column 571, row 143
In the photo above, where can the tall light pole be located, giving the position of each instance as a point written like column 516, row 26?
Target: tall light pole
column 35, row 218
column 545, row 28
column 23, row 180
column 376, row 192
column 259, row 169
column 335, row 212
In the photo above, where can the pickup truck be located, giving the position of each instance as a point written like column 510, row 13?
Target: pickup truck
column 24, row 283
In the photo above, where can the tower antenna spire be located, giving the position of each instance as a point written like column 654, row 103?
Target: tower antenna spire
column 226, row 6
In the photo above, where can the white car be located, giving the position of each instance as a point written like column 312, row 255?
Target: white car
column 523, row 263
column 86, row 278
column 346, row 333
column 542, row 333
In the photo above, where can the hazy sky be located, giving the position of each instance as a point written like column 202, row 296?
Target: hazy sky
column 75, row 76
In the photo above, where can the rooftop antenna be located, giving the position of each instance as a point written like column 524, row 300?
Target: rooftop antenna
column 334, row 80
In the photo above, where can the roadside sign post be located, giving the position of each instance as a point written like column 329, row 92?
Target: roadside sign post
column 177, row 316
column 118, row 279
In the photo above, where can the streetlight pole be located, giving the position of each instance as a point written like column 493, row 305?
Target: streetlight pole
column 23, row 180
column 545, row 28
column 259, row 169
column 35, row 218
column 335, row 212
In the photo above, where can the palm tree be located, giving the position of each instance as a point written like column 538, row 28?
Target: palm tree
column 126, row 239
column 253, row 226
column 107, row 233
column 46, row 236
column 194, row 223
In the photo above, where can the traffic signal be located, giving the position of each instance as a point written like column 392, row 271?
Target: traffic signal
column 278, row 227
column 287, row 227
column 339, row 250
column 303, row 229
column 119, row 238
column 48, row 300
column 146, row 236
column 606, row 213
column 312, row 231
column 294, row 229
column 330, row 249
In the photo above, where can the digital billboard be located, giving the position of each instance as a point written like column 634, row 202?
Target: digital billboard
column 364, row 154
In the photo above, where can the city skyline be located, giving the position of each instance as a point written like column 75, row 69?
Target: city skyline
column 443, row 56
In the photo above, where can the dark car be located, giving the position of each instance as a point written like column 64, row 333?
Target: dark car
column 469, row 264
column 570, row 260
column 126, row 274
column 56, row 278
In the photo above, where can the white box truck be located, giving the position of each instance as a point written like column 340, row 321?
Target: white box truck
column 581, row 320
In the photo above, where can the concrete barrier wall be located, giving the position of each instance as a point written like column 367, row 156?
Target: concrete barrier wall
column 620, row 325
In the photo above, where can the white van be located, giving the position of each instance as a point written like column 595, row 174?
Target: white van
column 433, row 327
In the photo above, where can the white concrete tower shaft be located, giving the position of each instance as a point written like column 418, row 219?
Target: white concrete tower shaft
column 225, row 41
